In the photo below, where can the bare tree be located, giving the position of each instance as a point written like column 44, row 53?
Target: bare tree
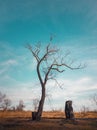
column 20, row 106
column 84, row 111
column 95, row 98
column 6, row 104
column 48, row 63
column 2, row 97
column 35, row 103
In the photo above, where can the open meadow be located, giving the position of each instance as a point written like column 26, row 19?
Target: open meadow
column 53, row 120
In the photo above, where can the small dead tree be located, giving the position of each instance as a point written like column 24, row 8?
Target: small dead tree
column 2, row 97
column 20, row 106
column 35, row 103
column 6, row 104
column 84, row 111
column 94, row 100
column 48, row 64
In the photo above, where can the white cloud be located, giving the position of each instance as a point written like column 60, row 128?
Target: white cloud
column 15, row 61
column 7, row 65
column 9, row 62
column 3, row 70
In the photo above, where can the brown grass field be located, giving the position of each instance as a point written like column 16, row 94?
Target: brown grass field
column 50, row 121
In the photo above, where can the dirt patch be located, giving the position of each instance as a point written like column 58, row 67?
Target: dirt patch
column 47, row 124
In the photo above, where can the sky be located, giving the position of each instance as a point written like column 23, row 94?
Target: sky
column 73, row 25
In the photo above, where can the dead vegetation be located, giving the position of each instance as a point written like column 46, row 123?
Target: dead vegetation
column 10, row 120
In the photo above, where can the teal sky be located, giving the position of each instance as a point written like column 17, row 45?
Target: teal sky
column 74, row 26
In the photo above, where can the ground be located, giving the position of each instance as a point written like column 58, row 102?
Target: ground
column 50, row 121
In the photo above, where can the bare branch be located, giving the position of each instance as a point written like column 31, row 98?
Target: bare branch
column 60, row 85
column 47, row 48
column 72, row 68
column 34, row 52
column 57, row 69
column 95, row 98
column 46, row 75
column 49, row 52
column 51, row 37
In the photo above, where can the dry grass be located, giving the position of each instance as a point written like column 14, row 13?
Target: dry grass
column 86, row 115
column 15, row 114
column 50, row 121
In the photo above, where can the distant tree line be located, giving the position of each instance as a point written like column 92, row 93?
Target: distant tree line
column 6, row 104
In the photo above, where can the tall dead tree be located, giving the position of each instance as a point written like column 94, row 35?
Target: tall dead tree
column 48, row 63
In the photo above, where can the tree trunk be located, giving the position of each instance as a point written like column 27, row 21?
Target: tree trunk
column 69, row 110
column 34, row 115
column 38, row 114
